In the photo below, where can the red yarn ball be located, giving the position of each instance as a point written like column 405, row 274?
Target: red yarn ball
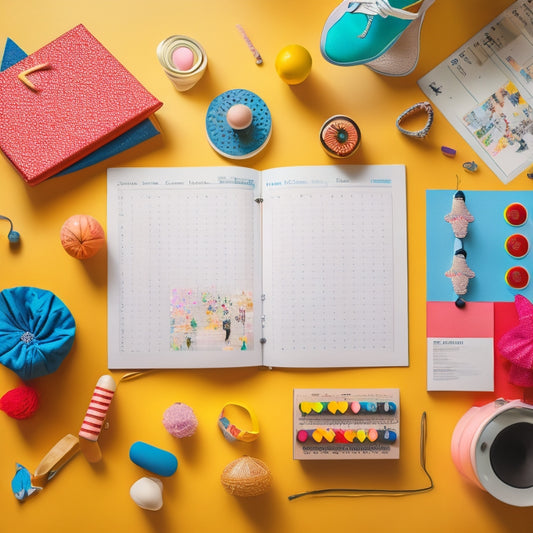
column 20, row 403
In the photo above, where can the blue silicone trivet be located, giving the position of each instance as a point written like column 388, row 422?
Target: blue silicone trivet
column 238, row 144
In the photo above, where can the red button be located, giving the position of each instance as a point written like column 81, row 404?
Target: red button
column 517, row 277
column 517, row 245
column 302, row 435
column 515, row 214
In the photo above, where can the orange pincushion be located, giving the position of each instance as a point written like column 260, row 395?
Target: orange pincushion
column 82, row 236
column 340, row 136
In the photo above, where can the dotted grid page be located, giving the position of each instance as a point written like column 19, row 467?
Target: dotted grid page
column 184, row 268
column 335, row 266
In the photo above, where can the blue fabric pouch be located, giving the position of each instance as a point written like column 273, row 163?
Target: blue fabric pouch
column 36, row 331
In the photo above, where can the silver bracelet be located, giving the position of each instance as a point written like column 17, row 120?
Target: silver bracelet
column 417, row 108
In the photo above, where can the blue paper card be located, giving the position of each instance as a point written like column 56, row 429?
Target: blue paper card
column 484, row 244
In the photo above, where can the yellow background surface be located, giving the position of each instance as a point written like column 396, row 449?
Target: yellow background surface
column 85, row 497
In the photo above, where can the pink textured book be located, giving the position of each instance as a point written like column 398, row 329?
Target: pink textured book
column 64, row 101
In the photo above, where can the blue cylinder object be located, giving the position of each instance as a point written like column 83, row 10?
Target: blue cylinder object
column 155, row 460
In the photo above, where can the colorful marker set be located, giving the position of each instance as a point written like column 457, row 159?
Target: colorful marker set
column 346, row 424
column 346, row 435
column 345, row 407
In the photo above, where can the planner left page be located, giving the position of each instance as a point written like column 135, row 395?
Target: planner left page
column 184, row 269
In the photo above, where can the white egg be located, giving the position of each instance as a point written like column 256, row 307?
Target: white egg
column 147, row 493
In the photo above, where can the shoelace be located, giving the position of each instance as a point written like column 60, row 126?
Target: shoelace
column 381, row 8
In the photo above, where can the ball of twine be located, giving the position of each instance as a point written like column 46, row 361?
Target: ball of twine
column 180, row 421
column 246, row 476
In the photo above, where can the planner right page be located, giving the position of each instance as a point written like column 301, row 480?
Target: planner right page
column 335, row 266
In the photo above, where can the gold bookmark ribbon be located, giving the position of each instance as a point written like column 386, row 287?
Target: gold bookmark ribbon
column 23, row 75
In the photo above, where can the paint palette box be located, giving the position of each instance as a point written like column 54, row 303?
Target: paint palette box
column 346, row 424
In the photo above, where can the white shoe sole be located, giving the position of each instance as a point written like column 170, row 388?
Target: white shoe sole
column 402, row 58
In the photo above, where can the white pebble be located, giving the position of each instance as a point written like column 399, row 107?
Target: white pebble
column 147, row 493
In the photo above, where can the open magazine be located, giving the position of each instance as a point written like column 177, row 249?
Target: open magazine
column 485, row 89
column 231, row 266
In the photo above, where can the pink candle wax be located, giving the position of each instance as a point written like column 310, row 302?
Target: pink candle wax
column 183, row 58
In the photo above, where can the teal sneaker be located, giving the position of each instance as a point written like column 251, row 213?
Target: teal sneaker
column 356, row 33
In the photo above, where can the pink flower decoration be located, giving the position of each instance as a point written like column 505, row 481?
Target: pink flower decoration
column 516, row 345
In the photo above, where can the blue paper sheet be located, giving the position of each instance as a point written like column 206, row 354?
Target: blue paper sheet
column 484, row 244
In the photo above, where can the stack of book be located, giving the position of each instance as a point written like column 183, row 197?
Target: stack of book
column 69, row 105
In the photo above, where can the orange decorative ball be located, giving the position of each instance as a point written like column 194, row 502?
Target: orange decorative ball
column 82, row 236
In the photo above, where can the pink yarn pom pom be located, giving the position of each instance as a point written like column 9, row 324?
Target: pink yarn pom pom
column 20, row 403
column 180, row 421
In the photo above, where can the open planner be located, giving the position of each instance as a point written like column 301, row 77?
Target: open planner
column 231, row 266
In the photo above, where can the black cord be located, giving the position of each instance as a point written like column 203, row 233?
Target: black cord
column 381, row 492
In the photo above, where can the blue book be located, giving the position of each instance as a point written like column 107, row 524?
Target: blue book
column 139, row 133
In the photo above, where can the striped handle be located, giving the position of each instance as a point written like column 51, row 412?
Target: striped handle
column 97, row 411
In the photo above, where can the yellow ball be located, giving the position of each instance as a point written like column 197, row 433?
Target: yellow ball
column 293, row 64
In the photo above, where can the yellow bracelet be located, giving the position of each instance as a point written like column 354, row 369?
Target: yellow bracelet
column 232, row 432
